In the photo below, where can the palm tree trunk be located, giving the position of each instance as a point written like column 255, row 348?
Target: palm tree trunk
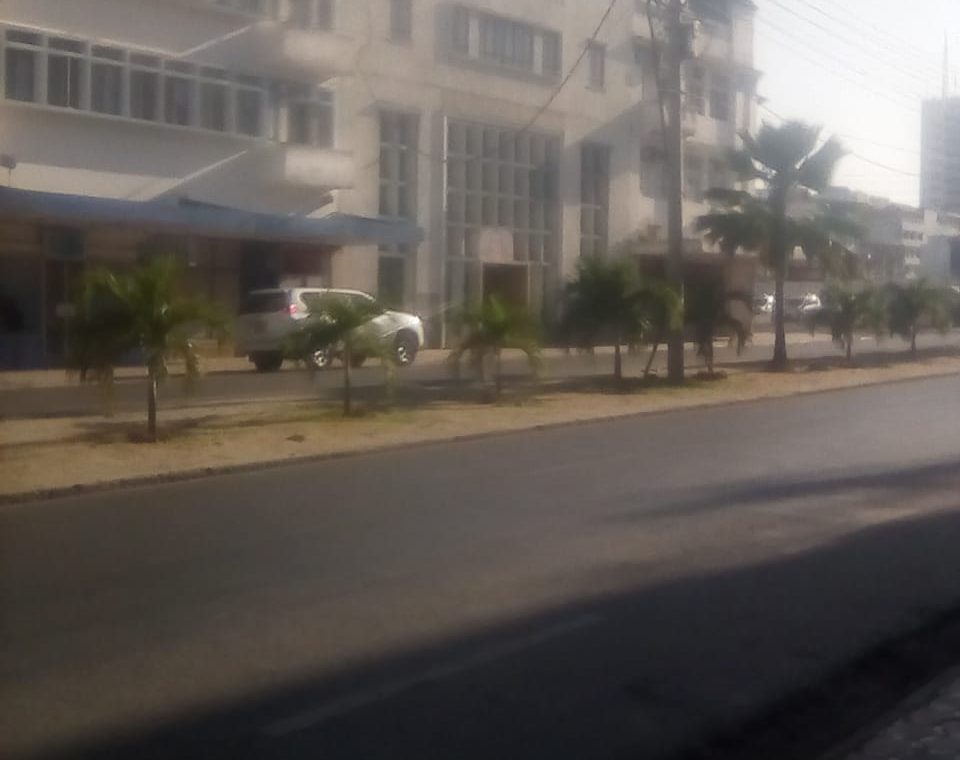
column 913, row 343
column 617, row 361
column 347, row 361
column 708, row 355
column 498, row 369
column 653, row 354
column 152, row 408
column 779, row 323
column 779, row 253
column 849, row 347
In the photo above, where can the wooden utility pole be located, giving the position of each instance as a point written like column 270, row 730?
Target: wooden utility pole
column 676, row 51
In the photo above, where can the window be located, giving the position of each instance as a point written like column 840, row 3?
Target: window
column 178, row 99
column 21, row 67
column 597, row 54
column 249, row 110
column 213, row 100
column 64, row 72
column 401, row 20
column 399, row 134
column 505, row 42
column 106, row 80
column 502, row 178
column 594, row 199
column 310, row 116
column 461, row 31
column 552, row 56
column 119, row 82
column 144, row 87
column 720, row 98
column 325, row 14
column 696, row 101
column 693, row 178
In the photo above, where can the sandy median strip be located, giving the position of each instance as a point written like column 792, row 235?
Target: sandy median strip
column 42, row 455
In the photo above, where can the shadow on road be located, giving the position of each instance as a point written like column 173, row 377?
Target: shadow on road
column 646, row 673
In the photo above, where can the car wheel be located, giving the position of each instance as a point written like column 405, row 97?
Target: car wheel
column 406, row 349
column 321, row 358
column 270, row 362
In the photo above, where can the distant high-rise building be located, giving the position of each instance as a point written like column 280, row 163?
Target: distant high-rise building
column 940, row 155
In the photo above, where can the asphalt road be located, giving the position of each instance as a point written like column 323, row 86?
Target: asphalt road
column 292, row 384
column 619, row 589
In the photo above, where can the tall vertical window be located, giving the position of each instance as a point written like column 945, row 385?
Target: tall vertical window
column 106, row 80
column 64, row 65
column 597, row 55
column 693, row 178
column 213, row 100
column 401, row 20
column 696, row 101
column 594, row 199
column 720, row 97
column 310, row 116
column 144, row 87
column 178, row 94
column 506, row 42
column 552, row 54
column 21, row 65
column 325, row 14
column 460, row 42
column 249, row 106
column 398, row 164
column 399, row 137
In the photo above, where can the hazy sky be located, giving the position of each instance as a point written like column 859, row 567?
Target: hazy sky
column 860, row 68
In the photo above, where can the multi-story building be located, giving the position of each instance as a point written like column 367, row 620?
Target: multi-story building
column 940, row 155
column 505, row 131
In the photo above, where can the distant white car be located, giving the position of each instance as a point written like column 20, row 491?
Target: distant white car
column 269, row 317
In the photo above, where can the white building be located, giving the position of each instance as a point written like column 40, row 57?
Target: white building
column 314, row 116
column 940, row 155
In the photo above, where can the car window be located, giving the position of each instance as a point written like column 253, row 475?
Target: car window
column 264, row 303
column 313, row 301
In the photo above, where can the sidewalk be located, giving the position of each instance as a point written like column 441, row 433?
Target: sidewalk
column 59, row 378
column 932, row 731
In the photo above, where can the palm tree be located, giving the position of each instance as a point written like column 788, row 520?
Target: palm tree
column 337, row 321
column 708, row 314
column 144, row 311
column 846, row 310
column 608, row 296
column 911, row 305
column 785, row 160
column 490, row 329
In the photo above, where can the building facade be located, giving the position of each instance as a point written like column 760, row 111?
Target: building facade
column 505, row 130
column 940, row 155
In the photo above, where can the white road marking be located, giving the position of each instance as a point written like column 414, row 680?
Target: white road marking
column 315, row 716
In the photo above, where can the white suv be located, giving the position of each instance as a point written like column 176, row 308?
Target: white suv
column 269, row 317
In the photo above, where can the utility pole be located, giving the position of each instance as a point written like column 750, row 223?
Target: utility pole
column 677, row 49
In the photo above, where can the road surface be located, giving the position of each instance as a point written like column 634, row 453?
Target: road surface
column 291, row 384
column 619, row 589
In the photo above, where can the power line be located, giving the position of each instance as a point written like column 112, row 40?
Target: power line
column 902, row 99
column 860, row 22
column 856, row 43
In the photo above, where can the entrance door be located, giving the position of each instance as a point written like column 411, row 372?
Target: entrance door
column 508, row 282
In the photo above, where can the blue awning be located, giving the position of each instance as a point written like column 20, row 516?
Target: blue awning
column 205, row 220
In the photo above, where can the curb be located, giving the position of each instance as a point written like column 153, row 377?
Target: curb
column 48, row 494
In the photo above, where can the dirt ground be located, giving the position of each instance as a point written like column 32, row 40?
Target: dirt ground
column 53, row 454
